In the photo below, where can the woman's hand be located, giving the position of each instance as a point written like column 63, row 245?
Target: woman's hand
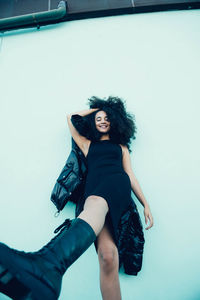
column 148, row 217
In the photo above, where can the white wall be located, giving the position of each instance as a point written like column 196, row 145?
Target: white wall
column 152, row 61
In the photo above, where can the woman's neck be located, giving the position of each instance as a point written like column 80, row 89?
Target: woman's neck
column 105, row 137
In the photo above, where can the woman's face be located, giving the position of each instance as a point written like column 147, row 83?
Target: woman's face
column 102, row 122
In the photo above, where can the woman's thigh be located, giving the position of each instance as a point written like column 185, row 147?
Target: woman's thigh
column 94, row 212
column 96, row 202
column 96, row 208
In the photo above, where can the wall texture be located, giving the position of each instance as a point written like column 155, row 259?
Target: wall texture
column 152, row 61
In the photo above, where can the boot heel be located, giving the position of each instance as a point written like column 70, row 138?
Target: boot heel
column 12, row 287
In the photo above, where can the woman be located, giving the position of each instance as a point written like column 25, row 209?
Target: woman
column 107, row 181
column 104, row 137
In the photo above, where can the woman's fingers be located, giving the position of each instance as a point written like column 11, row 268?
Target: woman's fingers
column 146, row 219
column 149, row 217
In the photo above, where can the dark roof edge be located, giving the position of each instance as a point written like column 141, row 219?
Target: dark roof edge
column 66, row 13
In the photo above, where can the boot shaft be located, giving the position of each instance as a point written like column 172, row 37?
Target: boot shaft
column 73, row 240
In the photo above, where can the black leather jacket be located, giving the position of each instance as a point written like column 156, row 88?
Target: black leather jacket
column 70, row 186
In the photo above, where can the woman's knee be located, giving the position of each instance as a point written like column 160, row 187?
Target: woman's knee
column 96, row 203
column 108, row 258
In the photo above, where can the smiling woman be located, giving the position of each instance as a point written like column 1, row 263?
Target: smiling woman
column 107, row 216
column 104, row 133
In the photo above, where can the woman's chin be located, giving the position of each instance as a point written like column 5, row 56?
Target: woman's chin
column 103, row 132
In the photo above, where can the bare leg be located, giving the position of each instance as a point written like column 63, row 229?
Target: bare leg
column 94, row 212
column 109, row 264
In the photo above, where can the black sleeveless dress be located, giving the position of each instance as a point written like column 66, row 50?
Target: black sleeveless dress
column 106, row 178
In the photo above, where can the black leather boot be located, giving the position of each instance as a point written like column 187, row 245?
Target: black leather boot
column 38, row 275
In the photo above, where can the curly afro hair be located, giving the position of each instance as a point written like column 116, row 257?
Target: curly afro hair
column 122, row 124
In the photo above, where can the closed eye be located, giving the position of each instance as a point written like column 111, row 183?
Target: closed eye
column 99, row 119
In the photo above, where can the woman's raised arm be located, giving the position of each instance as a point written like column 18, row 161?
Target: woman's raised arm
column 80, row 140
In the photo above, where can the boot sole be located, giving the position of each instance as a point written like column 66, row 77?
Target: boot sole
column 20, row 285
